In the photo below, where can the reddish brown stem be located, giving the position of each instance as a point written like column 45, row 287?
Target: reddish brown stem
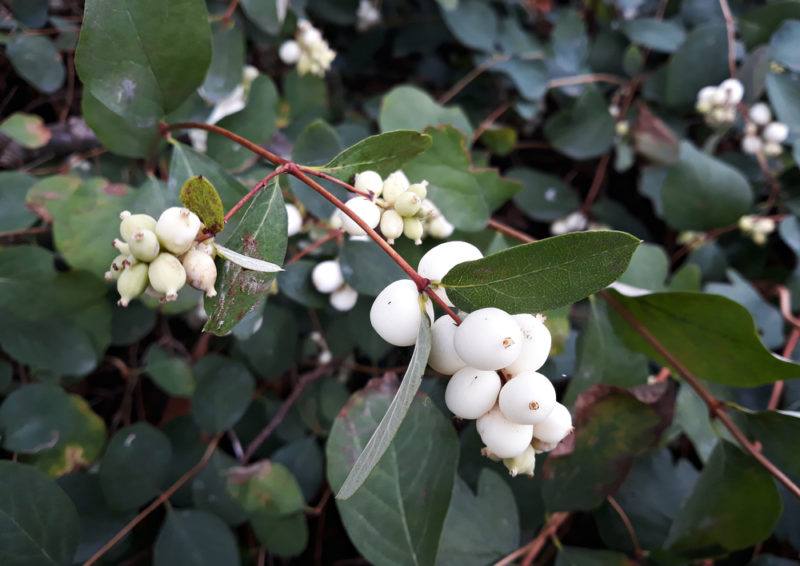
column 260, row 185
column 332, row 179
column 331, row 235
column 244, row 142
column 597, row 184
column 230, row 10
column 730, row 28
column 507, row 230
column 637, row 549
column 531, row 550
column 585, row 79
column 717, row 409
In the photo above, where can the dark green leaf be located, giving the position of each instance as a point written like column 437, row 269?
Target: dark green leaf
column 543, row 197
column 776, row 432
column 195, row 538
column 199, row 195
column 14, row 215
column 383, row 153
column 304, row 457
column 39, row 523
column 702, row 60
column 266, row 487
column 37, row 61
column 367, row 268
column 575, row 556
column 390, row 423
column 32, row 13
column 542, row 275
column 210, row 490
column 714, row 337
column 660, row 35
column 172, row 374
column 261, row 233
column 409, row 108
column 474, row 23
column 283, row 536
column 263, row 14
column 784, row 94
column 295, row 283
column 271, row 350
column 583, row 130
column 224, row 390
column 783, row 45
column 397, row 515
column 316, row 145
column 227, row 61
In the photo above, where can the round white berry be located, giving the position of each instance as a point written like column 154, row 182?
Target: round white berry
column 369, row 181
column 391, row 225
column 472, row 392
column 289, row 52
column 365, row 209
column 527, row 398
column 144, row 245
column 177, row 228
column 760, row 114
column 327, row 276
column 443, row 357
column 407, row 203
column 555, row 427
column 488, row 339
column 503, row 438
column 344, row 298
column 420, row 189
column 707, row 94
column 132, row 223
column 442, row 258
column 201, row 271
column 440, row 228
column 294, row 220
column 396, row 313
column 733, row 89
column 776, row 132
column 536, row 343
column 167, row 276
column 752, row 144
column 131, row 283
column 772, row 149
column 413, row 229
column 394, row 185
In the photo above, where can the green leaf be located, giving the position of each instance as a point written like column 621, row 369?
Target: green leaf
column 500, row 139
column 734, row 505
column 195, row 538
column 783, row 44
column 172, row 374
column 390, row 423
column 266, row 487
column 700, row 61
column 131, row 451
column 14, row 215
column 784, row 95
column 32, row 13
column 210, row 490
column 480, row 528
column 541, row 275
column 474, row 24
column 261, row 233
column 714, row 337
column 187, row 163
column 383, row 153
column 295, row 283
column 256, row 122
column 575, row 556
column 307, row 97
column 584, row 130
column 223, row 392
column 612, row 427
column 28, row 130
column 316, row 145
column 199, row 195
column 272, row 350
column 367, row 268
column 776, row 432
column 409, row 108
column 37, row 60
column 283, row 536
column 264, row 15
column 39, row 523
column 543, row 197
column 227, row 61
column 701, row 192
column 397, row 515
column 118, row 135
column 654, row 33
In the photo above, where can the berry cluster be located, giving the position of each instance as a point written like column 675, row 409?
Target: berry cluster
column 757, row 227
column 160, row 257
column 328, row 279
column 398, row 206
column 762, row 133
column 718, row 104
column 308, row 50
column 492, row 358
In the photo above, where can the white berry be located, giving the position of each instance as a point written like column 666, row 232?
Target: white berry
column 420, row 189
column 413, row 229
column 772, row 149
column 536, row 343
column 440, row 228
column 396, row 313
column 555, row 427
column 131, row 283
column 177, row 228
column 132, row 223
column 167, row 276
column 442, row 258
column 144, row 245
column 488, row 339
column 760, row 114
column 201, row 271
column 776, row 132
column 443, row 357
column 407, row 203
column 472, row 392
column 344, row 298
column 391, row 225
column 503, row 438
column 524, row 464
column 527, row 398
column 289, row 52
column 294, row 220
column 365, row 209
column 394, row 185
column 752, row 144
column 369, row 181
column 733, row 89
column 327, row 276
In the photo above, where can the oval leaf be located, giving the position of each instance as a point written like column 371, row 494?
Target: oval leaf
column 247, row 262
column 199, row 195
column 383, row 153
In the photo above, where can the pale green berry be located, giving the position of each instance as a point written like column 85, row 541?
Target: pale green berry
column 391, row 225
column 167, row 276
column 394, row 185
column 413, row 230
column 407, row 204
column 420, row 189
column 144, row 245
column 177, row 229
column 119, row 263
column 369, row 181
column 440, row 228
column 201, row 272
column 524, row 464
column 132, row 223
column 121, row 246
column 131, row 283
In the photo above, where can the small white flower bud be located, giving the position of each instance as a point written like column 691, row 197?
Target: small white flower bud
column 369, row 181
column 524, row 464
column 365, row 209
column 344, row 298
column 201, row 271
column 413, row 229
column 391, row 225
column 327, row 276
column 144, row 245
column 167, row 276
column 131, row 283
column 747, row 223
column 760, row 114
column 289, row 52
column 294, row 220
column 121, row 246
column 420, row 189
column 764, row 225
column 622, row 128
column 707, row 95
column 776, row 132
column 407, row 204
column 132, row 223
column 177, row 229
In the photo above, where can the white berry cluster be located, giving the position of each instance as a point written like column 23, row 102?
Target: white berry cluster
column 397, row 206
column 757, row 227
column 160, row 257
column 762, row 134
column 718, row 103
column 308, row 50
column 515, row 419
column 328, row 279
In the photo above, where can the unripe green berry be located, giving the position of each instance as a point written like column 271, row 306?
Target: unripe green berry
column 420, row 189
column 132, row 223
column 167, row 276
column 413, row 230
column 394, row 185
column 144, row 245
column 391, row 225
column 131, row 283
column 121, row 246
column 201, row 272
column 119, row 263
column 407, row 204
column 524, row 464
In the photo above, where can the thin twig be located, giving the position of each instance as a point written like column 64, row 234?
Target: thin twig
column 637, row 549
column 471, row 76
column 777, row 387
column 193, row 471
column 230, row 10
column 244, row 142
column 730, row 28
column 315, row 245
column 597, row 184
column 533, row 548
column 35, row 231
column 507, row 230
column 586, row 79
column 260, row 185
column 490, row 120
column 334, row 180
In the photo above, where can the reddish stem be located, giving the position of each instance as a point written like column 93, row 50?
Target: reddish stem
column 507, row 230
column 244, row 142
column 260, row 185
column 331, row 235
column 332, row 179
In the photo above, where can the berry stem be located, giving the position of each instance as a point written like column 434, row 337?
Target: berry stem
column 273, row 158
column 260, row 185
column 332, row 179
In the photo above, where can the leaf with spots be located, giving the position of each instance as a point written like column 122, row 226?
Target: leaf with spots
column 199, row 195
